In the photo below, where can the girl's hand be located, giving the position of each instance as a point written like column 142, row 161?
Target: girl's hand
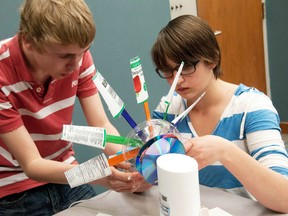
column 206, row 149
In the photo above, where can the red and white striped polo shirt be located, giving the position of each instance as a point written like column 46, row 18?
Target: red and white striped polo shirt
column 42, row 111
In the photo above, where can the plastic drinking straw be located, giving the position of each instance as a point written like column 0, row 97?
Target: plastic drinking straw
column 133, row 124
column 148, row 117
column 168, row 98
column 147, row 111
column 183, row 114
column 120, row 158
column 123, row 140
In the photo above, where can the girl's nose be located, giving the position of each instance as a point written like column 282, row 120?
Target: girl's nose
column 181, row 79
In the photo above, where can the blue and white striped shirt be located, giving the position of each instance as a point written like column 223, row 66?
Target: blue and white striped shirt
column 250, row 121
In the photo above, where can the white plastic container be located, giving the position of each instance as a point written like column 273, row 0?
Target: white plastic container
column 178, row 185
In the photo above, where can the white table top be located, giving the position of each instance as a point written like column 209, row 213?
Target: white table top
column 147, row 204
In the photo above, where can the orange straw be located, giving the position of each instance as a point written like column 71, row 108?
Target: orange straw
column 148, row 117
column 147, row 111
column 120, row 158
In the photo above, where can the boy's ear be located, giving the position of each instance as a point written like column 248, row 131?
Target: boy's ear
column 27, row 43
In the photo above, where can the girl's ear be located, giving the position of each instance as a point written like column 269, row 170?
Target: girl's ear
column 211, row 66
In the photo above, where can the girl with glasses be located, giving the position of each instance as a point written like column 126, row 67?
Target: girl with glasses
column 233, row 131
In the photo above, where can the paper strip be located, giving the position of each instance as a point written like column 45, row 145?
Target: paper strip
column 91, row 170
column 113, row 101
column 140, row 87
column 91, row 136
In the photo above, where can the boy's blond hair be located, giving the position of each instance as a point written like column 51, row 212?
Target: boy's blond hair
column 64, row 22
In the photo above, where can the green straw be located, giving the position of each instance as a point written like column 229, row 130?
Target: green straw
column 123, row 140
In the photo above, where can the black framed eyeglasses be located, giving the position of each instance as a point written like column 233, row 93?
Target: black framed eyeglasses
column 188, row 68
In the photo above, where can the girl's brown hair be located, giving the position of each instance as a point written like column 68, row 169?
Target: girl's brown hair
column 186, row 38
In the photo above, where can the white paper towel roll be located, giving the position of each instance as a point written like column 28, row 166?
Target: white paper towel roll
column 178, row 185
